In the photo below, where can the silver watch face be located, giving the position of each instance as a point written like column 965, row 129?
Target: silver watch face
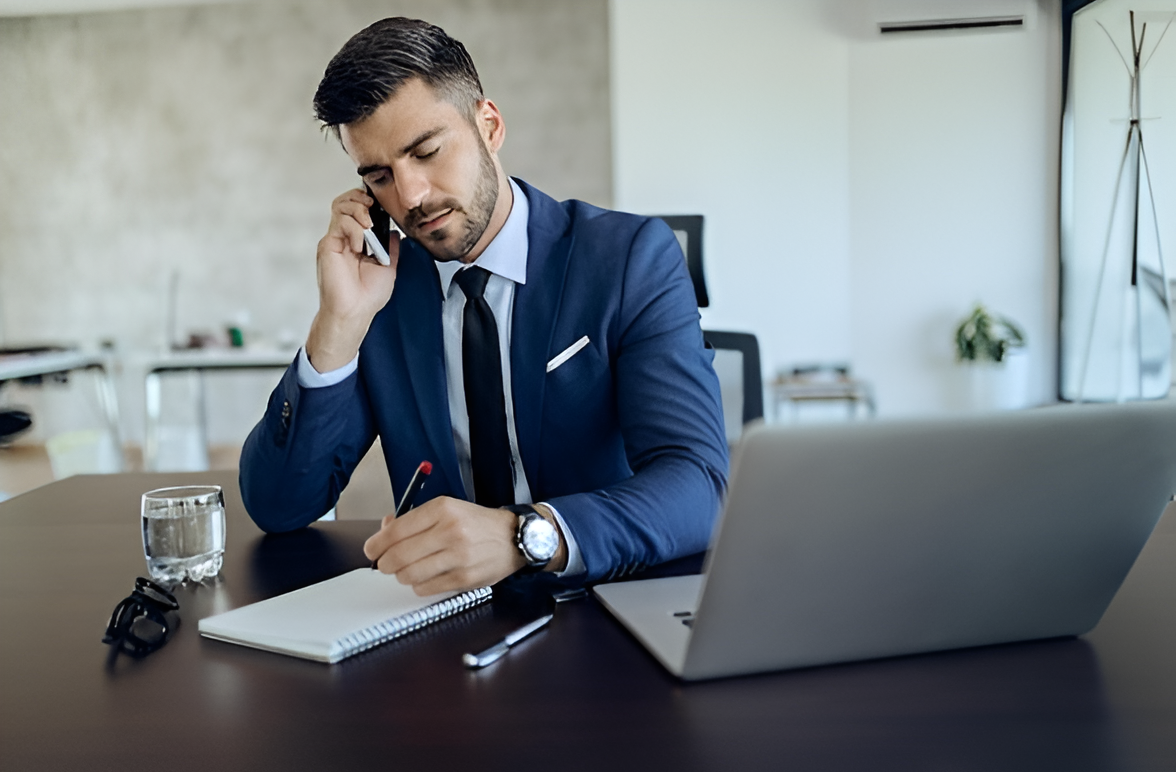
column 540, row 540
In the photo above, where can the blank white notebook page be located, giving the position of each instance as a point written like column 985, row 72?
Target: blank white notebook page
column 317, row 622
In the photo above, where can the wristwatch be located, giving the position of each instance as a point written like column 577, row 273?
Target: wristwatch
column 535, row 537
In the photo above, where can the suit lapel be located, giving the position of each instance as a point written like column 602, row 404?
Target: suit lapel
column 536, row 307
column 418, row 301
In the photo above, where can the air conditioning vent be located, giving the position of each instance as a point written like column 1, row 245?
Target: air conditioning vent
column 940, row 25
column 890, row 17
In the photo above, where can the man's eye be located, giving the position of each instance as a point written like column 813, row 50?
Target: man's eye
column 429, row 154
column 377, row 179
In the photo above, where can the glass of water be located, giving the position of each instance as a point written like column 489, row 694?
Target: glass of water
column 184, row 533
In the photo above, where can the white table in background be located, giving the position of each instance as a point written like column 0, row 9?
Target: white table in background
column 199, row 361
column 36, row 364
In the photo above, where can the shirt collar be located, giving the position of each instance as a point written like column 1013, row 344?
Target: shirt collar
column 506, row 255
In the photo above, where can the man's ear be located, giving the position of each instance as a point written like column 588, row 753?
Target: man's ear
column 491, row 127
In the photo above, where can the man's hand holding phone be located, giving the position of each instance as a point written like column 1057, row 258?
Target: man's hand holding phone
column 379, row 235
column 353, row 285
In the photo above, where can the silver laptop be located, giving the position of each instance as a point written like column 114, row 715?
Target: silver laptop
column 876, row 539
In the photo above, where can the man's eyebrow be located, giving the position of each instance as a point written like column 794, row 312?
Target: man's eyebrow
column 424, row 137
column 363, row 171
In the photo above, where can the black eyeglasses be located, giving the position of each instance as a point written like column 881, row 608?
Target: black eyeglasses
column 143, row 621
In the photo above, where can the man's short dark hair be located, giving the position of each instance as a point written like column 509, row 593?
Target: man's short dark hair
column 378, row 60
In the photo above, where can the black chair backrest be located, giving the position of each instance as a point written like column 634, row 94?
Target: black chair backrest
column 688, row 229
column 753, row 386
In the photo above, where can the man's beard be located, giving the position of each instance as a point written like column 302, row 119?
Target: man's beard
column 477, row 215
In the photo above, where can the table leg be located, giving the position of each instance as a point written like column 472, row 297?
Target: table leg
column 202, row 418
column 108, row 398
column 152, row 397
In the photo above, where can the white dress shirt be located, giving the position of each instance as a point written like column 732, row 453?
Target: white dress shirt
column 506, row 260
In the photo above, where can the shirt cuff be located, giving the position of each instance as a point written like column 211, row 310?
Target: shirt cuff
column 309, row 378
column 575, row 560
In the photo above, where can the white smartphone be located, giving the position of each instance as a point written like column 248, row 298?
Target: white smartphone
column 375, row 248
column 378, row 238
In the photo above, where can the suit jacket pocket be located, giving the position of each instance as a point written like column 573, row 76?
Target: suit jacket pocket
column 569, row 352
column 578, row 383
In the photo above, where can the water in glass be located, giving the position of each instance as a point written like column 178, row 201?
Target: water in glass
column 184, row 533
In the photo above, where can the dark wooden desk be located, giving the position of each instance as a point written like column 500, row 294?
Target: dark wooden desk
column 582, row 695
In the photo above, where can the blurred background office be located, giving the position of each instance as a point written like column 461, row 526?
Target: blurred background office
column 163, row 183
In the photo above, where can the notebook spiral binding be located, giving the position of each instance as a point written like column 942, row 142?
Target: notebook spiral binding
column 375, row 635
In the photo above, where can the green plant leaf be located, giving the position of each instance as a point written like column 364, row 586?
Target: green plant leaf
column 984, row 337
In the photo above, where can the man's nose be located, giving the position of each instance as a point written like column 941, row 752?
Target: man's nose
column 412, row 186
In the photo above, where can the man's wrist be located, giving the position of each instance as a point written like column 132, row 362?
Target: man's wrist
column 332, row 342
column 518, row 560
column 310, row 378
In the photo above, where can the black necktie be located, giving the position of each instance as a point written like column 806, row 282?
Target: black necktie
column 482, row 377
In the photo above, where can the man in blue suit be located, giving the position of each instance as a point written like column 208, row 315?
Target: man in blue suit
column 544, row 357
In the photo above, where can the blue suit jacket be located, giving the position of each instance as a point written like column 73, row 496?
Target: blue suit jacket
column 625, row 439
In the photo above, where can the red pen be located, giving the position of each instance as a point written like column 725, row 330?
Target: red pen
column 414, row 487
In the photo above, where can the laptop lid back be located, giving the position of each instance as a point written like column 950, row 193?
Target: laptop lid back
column 868, row 540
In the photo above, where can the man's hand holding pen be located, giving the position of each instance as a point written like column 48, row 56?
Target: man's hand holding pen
column 447, row 544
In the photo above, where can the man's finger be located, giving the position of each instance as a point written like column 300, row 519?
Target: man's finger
column 394, row 529
column 405, row 552
column 352, row 234
column 355, row 194
column 457, row 580
column 356, row 210
column 427, row 568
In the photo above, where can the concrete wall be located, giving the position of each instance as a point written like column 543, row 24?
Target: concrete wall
column 135, row 144
column 861, row 193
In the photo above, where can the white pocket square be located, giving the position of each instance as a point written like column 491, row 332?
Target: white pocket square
column 567, row 353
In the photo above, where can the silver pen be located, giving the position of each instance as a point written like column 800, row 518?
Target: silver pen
column 484, row 658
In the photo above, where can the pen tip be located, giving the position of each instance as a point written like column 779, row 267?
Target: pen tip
column 426, row 467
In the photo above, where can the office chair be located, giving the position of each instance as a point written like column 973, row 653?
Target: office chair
column 12, row 423
column 688, row 230
column 744, row 402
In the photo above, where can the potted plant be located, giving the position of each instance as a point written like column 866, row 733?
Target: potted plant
column 985, row 342
column 983, row 337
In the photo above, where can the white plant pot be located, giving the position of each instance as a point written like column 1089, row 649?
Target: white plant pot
column 999, row 385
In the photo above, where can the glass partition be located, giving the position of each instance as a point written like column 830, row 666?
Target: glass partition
column 1118, row 201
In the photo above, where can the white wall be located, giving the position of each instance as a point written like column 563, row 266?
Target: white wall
column 953, row 179
column 861, row 193
column 738, row 111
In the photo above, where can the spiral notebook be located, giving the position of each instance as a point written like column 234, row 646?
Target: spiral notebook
column 337, row 618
